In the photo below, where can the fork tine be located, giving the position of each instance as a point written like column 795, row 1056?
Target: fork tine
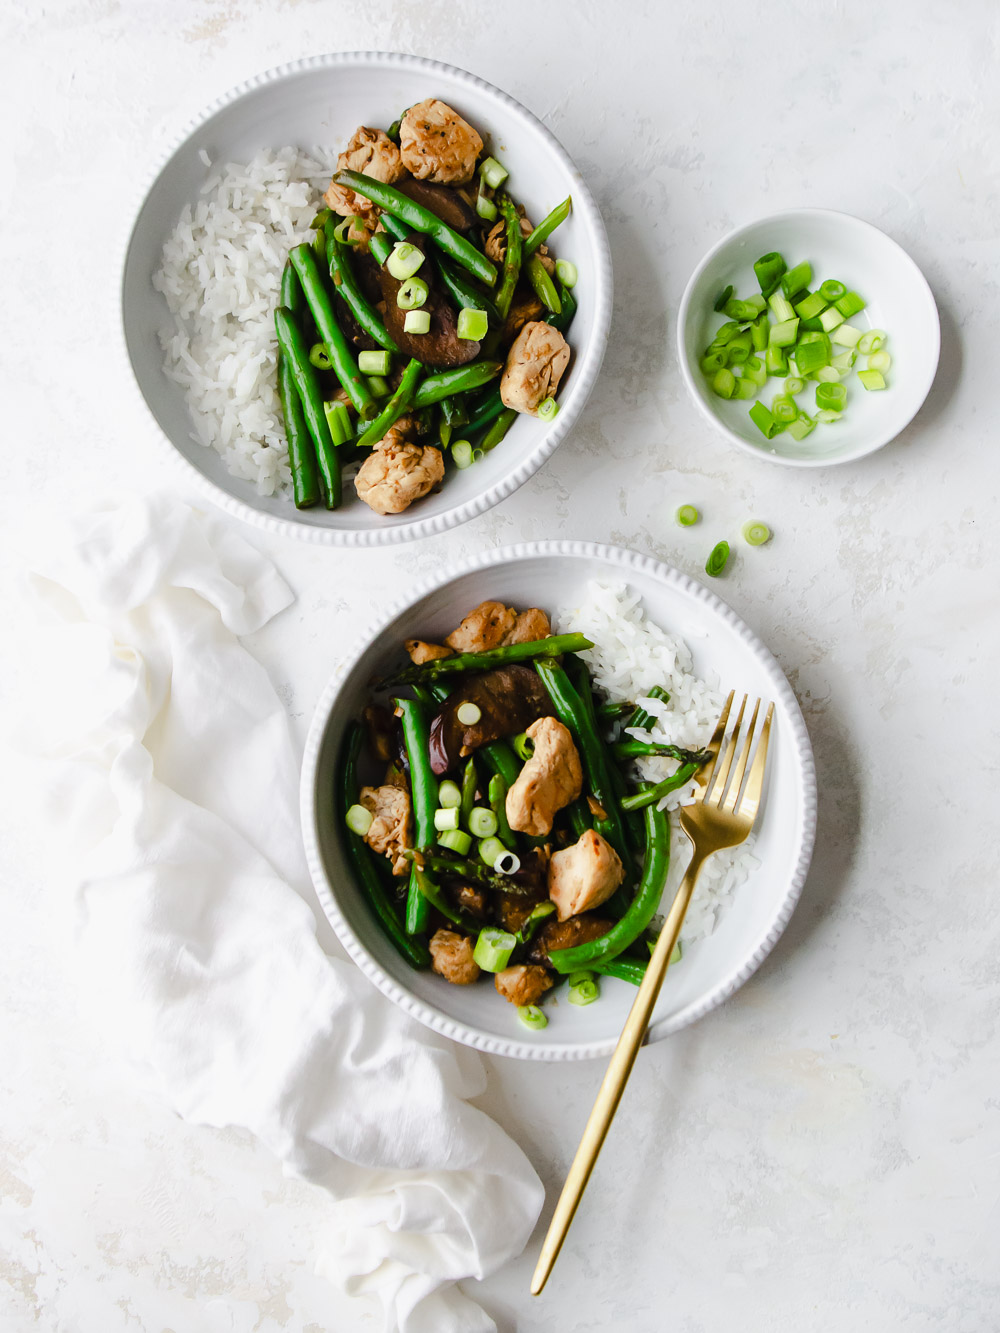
column 717, row 787
column 732, row 795
column 755, row 782
column 714, row 745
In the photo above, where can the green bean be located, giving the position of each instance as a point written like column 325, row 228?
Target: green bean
column 548, row 225
column 455, row 410
column 458, row 380
column 379, row 246
column 463, row 292
column 640, row 718
column 573, row 712
column 564, row 318
column 423, row 794
column 394, row 408
column 414, row 951
column 614, row 708
column 301, row 450
column 553, row 646
column 512, row 259
column 470, row 781
column 487, row 413
column 579, row 817
column 498, row 804
column 498, row 430
column 651, row 795
column 345, row 285
column 344, row 363
column 502, row 760
column 395, row 227
column 622, row 968
column 544, row 286
column 641, row 909
column 630, row 749
column 296, row 354
column 423, row 220
column 436, row 898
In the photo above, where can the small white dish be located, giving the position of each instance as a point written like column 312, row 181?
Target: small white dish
column 321, row 101
column 899, row 301
column 550, row 574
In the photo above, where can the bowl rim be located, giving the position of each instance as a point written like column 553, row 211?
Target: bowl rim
column 586, row 368
column 754, row 450
column 627, row 562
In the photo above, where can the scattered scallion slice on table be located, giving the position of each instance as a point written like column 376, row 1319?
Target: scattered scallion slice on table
column 718, row 559
column 687, row 515
column 755, row 533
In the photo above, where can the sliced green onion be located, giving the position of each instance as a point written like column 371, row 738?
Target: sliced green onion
column 810, row 306
column 456, row 840
column 585, row 992
column 746, row 388
column 379, row 386
column 741, row 310
column 342, row 228
column 449, row 795
column 509, row 863
column 412, row 295
column 879, row 361
column 724, row 296
column 359, row 820
column 801, row 427
column 687, row 515
column 756, row 534
column 461, row 454
column 827, row 374
column 724, row 383
column 494, row 948
column 769, row 270
column 492, row 172
column 319, row 357
column 754, row 369
column 793, row 385
column 774, row 360
column 546, row 227
column 781, row 308
column 468, row 714
column 796, row 280
column 719, row 556
column 576, row 978
column 833, row 397
column 339, row 420
column 843, row 361
column 404, row 260
column 472, row 324
column 567, row 272
column 764, row 421
column 845, row 335
column 548, row 408
column 482, row 823
column 478, row 455
column 813, row 355
column 446, row 818
column 485, row 207
column 830, row 319
column 759, row 333
column 374, row 363
column 783, row 409
column 850, row 304
column 871, row 379
column 871, row 341
column 738, row 352
column 724, row 334
column 523, row 746
column 490, row 849
column 532, row 1017
column 713, row 361
column 832, row 290
column 783, row 334
column 828, row 415
column 417, row 321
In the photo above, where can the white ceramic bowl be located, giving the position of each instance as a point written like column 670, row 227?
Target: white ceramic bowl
column 321, row 101
column 899, row 301
column 549, row 575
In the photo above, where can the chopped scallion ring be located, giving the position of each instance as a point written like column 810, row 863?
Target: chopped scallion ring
column 523, row 746
column 319, row 357
column 404, row 260
column 412, row 294
column 756, row 534
column 472, row 325
column 485, row 207
column 832, row 290
column 871, row 341
column 783, row 409
column 548, row 408
column 490, row 850
column 828, row 415
column 584, row 993
column 723, row 299
column 764, row 421
column 719, row 557
column 493, row 948
column 379, row 386
column 687, row 515
column 469, row 714
column 845, row 335
column 339, row 420
column 871, row 379
column 417, row 322
column 532, row 1017
column 724, row 383
column 567, row 272
column 461, row 454
column 342, row 228
column 801, row 427
column 359, row 820
column 482, row 823
column 831, row 397
column 793, row 385
column 492, row 172
column 374, row 363
column 446, row 818
column 456, row 840
column 449, row 795
column 879, row 361
column 507, row 864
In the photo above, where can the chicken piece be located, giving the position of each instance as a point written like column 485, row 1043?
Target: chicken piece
column 482, row 629
column 389, row 834
column 535, row 365
column 529, row 626
column 451, row 957
column 374, row 154
column 524, row 984
column 397, row 473
column 584, row 875
column 436, row 144
column 550, row 779
column 421, row 652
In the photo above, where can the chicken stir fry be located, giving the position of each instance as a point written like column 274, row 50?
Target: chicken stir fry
column 516, row 829
column 439, row 312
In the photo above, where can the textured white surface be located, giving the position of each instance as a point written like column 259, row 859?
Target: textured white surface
column 823, row 1151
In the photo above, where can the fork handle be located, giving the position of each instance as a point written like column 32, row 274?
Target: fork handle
column 615, row 1078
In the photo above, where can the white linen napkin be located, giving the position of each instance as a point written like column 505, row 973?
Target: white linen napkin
column 172, row 773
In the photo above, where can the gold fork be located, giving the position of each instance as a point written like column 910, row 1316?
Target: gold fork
column 721, row 816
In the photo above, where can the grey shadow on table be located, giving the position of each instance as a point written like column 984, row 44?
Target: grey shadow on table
column 946, row 381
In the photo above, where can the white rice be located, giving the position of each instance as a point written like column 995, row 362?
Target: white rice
column 631, row 656
column 221, row 276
